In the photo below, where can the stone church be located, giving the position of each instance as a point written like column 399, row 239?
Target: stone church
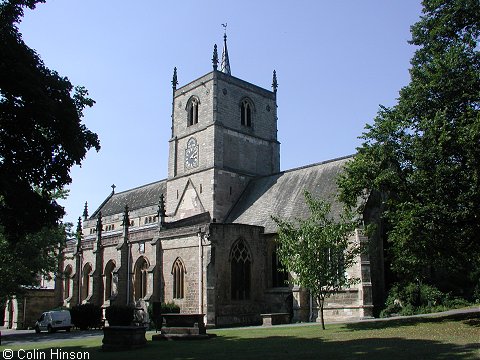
column 204, row 238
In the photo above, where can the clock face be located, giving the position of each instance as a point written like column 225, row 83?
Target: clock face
column 191, row 154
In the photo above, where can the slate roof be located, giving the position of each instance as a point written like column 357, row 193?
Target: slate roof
column 137, row 198
column 282, row 194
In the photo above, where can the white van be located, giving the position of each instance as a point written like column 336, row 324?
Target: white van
column 54, row 320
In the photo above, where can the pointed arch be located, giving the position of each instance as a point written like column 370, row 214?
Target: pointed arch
column 178, row 274
column 86, row 285
column 67, row 282
column 246, row 112
column 192, row 110
column 109, row 279
column 240, row 270
column 140, row 278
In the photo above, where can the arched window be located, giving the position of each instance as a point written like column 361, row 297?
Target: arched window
column 87, row 270
column 240, row 264
column 192, row 110
column 178, row 273
column 109, row 286
column 141, row 272
column 67, row 278
column 279, row 273
column 246, row 110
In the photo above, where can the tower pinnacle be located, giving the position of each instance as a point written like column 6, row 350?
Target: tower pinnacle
column 225, row 65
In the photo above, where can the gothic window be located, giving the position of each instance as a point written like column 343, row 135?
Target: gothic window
column 240, row 265
column 87, row 270
column 67, row 282
column 192, row 110
column 279, row 273
column 178, row 272
column 336, row 259
column 141, row 277
column 246, row 109
column 109, row 268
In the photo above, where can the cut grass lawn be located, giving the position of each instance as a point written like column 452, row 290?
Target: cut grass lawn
column 445, row 337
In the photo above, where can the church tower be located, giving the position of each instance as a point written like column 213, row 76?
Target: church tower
column 224, row 133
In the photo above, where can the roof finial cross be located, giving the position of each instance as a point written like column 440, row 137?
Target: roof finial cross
column 113, row 188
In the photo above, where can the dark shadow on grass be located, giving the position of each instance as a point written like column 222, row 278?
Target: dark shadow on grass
column 291, row 347
column 472, row 319
column 33, row 338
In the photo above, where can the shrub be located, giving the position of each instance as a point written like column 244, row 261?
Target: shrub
column 418, row 298
column 165, row 308
column 170, row 307
column 119, row 315
column 86, row 316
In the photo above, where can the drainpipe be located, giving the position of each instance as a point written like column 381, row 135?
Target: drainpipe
column 129, row 248
column 200, row 271
column 80, row 279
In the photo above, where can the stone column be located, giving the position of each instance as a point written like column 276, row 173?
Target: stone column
column 97, row 278
column 123, row 272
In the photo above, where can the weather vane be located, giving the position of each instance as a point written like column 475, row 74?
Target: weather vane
column 225, row 27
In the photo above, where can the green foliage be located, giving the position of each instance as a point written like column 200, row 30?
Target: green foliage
column 170, row 307
column 119, row 315
column 165, row 308
column 418, row 298
column 86, row 316
column 317, row 250
column 39, row 251
column 423, row 154
column 41, row 138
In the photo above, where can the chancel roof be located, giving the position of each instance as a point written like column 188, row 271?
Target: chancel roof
column 282, row 194
column 137, row 198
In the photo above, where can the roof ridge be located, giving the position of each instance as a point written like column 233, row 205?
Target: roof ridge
column 317, row 163
column 113, row 194
column 306, row 166
column 140, row 186
column 253, row 180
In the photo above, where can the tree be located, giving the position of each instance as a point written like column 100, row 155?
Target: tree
column 41, row 138
column 423, row 154
column 317, row 250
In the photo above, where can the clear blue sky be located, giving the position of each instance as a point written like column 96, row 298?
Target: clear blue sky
column 336, row 62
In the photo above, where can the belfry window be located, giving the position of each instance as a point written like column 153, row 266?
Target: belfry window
column 178, row 272
column 192, row 109
column 246, row 113
column 240, row 265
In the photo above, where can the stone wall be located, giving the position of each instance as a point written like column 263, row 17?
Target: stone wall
column 28, row 308
column 229, row 311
